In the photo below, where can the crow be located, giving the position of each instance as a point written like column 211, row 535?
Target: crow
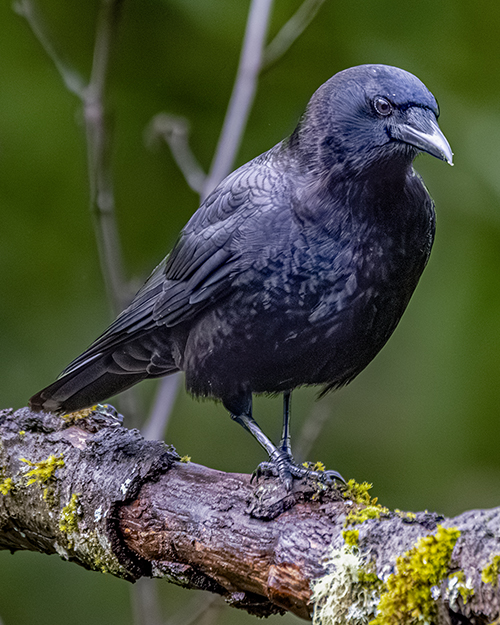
column 294, row 271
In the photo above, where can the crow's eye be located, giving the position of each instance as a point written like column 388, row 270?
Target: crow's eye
column 382, row 106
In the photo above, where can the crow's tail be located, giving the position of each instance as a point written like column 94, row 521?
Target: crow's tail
column 82, row 389
column 94, row 377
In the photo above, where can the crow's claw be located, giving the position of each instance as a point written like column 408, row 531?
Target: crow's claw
column 283, row 466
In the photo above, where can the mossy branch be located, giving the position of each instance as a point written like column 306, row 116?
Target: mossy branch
column 102, row 496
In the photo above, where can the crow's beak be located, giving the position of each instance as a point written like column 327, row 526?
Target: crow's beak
column 421, row 130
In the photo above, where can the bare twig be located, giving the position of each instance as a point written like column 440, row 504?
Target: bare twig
column 243, row 93
column 291, row 31
column 197, row 609
column 72, row 79
column 157, row 423
column 145, row 603
column 311, row 430
column 255, row 58
column 102, row 201
column 175, row 131
column 92, row 97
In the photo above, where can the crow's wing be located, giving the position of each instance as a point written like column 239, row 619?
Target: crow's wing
column 207, row 256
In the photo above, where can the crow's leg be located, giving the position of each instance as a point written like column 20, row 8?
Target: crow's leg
column 285, row 445
column 240, row 409
column 299, row 470
column 281, row 463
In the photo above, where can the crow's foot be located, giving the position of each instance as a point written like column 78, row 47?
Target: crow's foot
column 283, row 466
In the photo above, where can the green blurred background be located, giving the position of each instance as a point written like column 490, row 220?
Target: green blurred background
column 421, row 422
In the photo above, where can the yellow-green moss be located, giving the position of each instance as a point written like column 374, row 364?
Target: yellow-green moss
column 94, row 550
column 42, row 472
column 360, row 515
column 359, row 493
column 406, row 516
column 490, row 573
column 99, row 554
column 370, row 579
column 351, row 538
column 185, row 459
column 72, row 417
column 353, row 594
column 407, row 597
column 22, row 433
column 68, row 517
column 6, row 485
column 314, row 466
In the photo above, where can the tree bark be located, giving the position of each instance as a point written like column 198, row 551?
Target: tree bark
column 102, row 496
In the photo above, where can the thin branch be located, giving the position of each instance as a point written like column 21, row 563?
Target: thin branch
column 243, row 93
column 145, row 603
column 255, row 58
column 72, row 79
column 311, row 430
column 175, row 132
column 156, row 426
column 92, row 96
column 196, row 610
column 102, row 203
column 290, row 32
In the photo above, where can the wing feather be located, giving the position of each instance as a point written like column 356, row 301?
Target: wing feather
column 203, row 264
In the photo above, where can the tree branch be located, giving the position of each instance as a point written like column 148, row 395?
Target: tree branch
column 243, row 93
column 73, row 81
column 175, row 132
column 290, row 32
column 92, row 96
column 102, row 199
column 102, row 496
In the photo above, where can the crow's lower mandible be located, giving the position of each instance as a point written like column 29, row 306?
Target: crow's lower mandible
column 294, row 271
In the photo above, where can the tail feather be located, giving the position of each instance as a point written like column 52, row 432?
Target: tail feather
column 83, row 387
column 92, row 379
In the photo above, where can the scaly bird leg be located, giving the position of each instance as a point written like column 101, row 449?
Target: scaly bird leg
column 285, row 444
column 281, row 463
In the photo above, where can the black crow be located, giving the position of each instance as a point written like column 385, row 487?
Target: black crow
column 294, row 271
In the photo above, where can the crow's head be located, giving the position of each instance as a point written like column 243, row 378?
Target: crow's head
column 369, row 114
